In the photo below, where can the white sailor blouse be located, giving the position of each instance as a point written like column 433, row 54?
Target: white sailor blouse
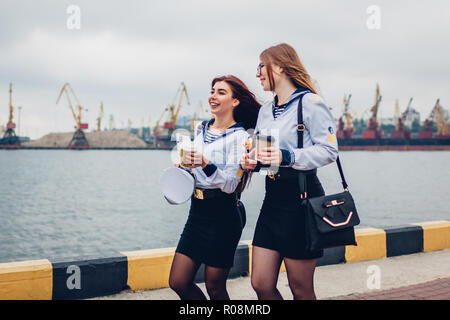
column 319, row 138
column 224, row 153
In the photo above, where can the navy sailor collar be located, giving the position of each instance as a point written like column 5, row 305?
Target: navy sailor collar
column 235, row 127
column 294, row 95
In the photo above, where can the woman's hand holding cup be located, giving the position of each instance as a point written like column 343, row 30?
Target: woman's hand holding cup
column 193, row 159
column 270, row 155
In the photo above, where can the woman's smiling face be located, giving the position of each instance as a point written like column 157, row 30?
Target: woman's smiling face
column 221, row 98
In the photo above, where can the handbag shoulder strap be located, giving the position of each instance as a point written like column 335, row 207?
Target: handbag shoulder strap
column 301, row 127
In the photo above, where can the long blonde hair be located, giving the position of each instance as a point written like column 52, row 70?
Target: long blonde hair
column 284, row 56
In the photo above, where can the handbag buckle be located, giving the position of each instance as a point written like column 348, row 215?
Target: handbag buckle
column 301, row 127
column 303, row 195
column 270, row 174
column 333, row 203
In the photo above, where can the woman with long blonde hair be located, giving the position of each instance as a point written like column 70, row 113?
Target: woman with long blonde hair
column 280, row 230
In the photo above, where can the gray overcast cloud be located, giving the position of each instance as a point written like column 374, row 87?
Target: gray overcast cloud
column 132, row 55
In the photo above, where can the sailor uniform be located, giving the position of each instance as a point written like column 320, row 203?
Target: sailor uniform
column 278, row 110
column 213, row 228
column 210, row 137
column 319, row 143
column 281, row 224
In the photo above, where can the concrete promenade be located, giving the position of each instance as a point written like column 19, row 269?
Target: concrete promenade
column 384, row 259
column 424, row 275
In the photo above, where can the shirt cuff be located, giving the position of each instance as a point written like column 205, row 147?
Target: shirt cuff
column 209, row 169
column 287, row 158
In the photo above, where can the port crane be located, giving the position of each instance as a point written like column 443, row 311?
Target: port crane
column 173, row 111
column 348, row 116
column 438, row 116
column 79, row 139
column 373, row 131
column 397, row 116
column 407, row 110
column 100, row 117
column 400, row 119
column 158, row 129
column 346, row 130
column 375, row 108
column 400, row 132
column 9, row 137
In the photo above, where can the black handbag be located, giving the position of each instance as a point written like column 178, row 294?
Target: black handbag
column 242, row 213
column 330, row 219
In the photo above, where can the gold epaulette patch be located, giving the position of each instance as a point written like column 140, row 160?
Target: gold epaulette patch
column 332, row 138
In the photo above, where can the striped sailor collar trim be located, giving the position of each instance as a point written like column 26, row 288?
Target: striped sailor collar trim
column 295, row 94
column 235, row 127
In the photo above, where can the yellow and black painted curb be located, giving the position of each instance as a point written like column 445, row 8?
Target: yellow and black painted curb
column 149, row 269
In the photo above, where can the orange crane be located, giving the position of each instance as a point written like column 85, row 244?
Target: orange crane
column 173, row 110
column 373, row 131
column 375, row 108
column 348, row 116
column 427, row 132
column 346, row 130
column 439, row 118
column 78, row 139
column 77, row 117
column 11, row 124
column 9, row 137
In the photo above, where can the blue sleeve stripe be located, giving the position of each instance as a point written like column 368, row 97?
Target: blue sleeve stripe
column 286, row 157
column 209, row 169
column 292, row 158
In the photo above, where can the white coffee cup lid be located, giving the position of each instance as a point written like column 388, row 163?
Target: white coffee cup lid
column 177, row 185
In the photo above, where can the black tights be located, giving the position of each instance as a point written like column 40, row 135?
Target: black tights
column 266, row 267
column 182, row 275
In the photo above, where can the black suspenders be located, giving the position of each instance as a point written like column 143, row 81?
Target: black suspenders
column 300, row 128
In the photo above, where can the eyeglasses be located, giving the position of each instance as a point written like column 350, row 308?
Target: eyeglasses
column 258, row 69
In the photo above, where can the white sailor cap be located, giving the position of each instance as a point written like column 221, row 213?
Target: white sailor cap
column 177, row 185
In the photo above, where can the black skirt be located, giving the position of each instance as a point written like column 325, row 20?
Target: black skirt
column 212, row 231
column 281, row 222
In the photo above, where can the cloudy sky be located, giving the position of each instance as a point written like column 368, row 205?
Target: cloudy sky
column 132, row 55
